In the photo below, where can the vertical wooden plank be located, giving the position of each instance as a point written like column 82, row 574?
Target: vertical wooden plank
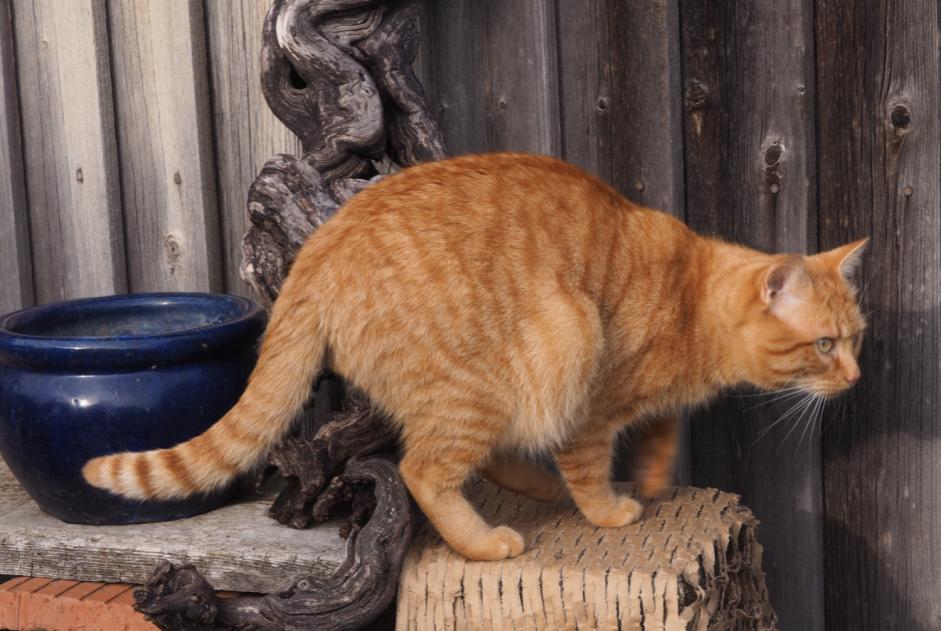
column 69, row 147
column 246, row 132
column 749, row 138
column 161, row 89
column 880, row 159
column 494, row 74
column 16, row 277
column 632, row 138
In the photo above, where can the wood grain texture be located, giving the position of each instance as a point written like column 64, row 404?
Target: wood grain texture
column 880, row 155
column 749, row 139
column 247, row 134
column 236, row 547
column 161, row 91
column 69, row 147
column 620, row 80
column 494, row 74
column 16, row 273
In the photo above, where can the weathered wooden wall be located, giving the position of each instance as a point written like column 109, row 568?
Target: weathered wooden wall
column 129, row 133
column 131, row 129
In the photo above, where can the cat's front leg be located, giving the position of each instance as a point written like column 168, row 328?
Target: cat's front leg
column 586, row 467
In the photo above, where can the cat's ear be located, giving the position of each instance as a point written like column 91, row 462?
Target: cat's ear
column 846, row 259
column 780, row 280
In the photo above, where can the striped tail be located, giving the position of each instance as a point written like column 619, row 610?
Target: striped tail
column 290, row 359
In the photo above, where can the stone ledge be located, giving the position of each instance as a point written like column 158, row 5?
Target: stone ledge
column 237, row 547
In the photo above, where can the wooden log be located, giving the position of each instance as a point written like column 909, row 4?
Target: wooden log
column 165, row 145
column 750, row 178
column 70, row 149
column 246, row 132
column 16, row 275
column 879, row 78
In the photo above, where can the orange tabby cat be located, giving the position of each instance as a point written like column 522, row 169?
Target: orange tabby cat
column 501, row 304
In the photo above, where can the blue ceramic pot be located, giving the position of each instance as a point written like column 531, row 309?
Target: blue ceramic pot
column 85, row 378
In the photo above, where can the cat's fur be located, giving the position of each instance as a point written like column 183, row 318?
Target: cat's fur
column 505, row 303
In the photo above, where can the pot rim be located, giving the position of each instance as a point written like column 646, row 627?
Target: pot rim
column 109, row 352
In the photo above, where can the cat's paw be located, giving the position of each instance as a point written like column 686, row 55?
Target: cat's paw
column 500, row 543
column 614, row 513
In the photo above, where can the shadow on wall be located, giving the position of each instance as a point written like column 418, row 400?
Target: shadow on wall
column 893, row 611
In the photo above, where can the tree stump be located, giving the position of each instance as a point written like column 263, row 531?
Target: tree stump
column 339, row 74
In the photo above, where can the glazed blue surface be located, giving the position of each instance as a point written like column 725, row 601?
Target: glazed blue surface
column 85, row 378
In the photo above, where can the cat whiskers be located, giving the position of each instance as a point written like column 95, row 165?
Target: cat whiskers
column 815, row 415
column 777, row 396
column 799, row 407
column 810, row 403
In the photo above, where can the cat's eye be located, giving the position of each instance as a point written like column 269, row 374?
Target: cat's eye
column 825, row 345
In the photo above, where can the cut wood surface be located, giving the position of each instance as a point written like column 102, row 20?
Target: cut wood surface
column 692, row 562
column 16, row 275
column 237, row 547
column 161, row 89
column 70, row 150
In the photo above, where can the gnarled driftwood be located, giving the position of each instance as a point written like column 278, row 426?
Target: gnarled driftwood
column 180, row 599
column 339, row 74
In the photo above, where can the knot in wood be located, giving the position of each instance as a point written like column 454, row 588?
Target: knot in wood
column 696, row 95
column 772, row 158
column 900, row 117
column 79, row 176
column 173, row 252
column 602, row 104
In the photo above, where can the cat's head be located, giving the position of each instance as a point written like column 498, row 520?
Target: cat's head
column 804, row 327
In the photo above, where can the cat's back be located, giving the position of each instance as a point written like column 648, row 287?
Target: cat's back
column 478, row 186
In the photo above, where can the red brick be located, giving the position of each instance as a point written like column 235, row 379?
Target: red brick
column 107, row 593
column 81, row 590
column 13, row 582
column 59, row 605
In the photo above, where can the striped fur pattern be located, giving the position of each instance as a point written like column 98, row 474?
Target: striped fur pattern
column 499, row 305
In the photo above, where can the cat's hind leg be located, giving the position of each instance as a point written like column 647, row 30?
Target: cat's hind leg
column 440, row 454
column 655, row 454
column 585, row 464
column 516, row 473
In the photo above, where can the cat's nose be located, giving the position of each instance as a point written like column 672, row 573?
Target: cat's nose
column 852, row 377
